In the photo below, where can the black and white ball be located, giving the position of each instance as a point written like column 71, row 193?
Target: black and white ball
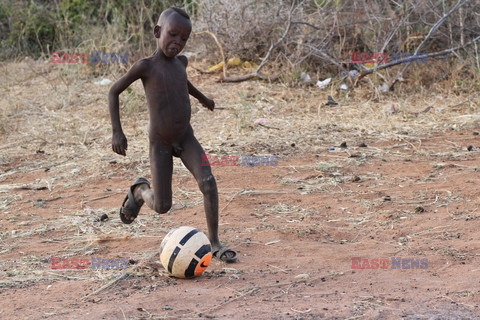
column 185, row 252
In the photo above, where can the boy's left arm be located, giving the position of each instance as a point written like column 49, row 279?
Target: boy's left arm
column 206, row 102
column 194, row 92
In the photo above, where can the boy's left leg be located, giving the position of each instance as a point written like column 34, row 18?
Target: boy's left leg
column 191, row 157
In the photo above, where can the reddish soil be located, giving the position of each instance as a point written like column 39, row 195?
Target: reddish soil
column 295, row 226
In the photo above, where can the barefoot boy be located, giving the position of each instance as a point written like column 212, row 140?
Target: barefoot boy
column 167, row 91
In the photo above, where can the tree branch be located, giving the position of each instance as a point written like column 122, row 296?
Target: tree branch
column 432, row 30
column 366, row 72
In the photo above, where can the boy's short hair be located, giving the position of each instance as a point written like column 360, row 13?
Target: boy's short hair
column 166, row 13
column 181, row 12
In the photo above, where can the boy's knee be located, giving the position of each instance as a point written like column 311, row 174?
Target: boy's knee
column 162, row 206
column 208, row 185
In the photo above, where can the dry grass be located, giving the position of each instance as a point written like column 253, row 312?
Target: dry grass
column 57, row 117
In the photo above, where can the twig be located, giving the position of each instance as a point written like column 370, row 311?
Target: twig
column 97, row 198
column 268, row 127
column 107, row 285
column 224, row 59
column 231, row 199
column 278, row 268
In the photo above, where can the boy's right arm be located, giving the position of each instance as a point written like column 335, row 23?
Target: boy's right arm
column 119, row 141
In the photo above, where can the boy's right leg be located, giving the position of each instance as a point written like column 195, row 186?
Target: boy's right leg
column 160, row 199
column 161, row 165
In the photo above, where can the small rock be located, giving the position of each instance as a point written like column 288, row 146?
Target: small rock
column 302, row 276
column 356, row 179
column 419, row 209
column 331, row 101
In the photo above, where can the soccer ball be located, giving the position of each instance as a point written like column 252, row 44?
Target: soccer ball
column 185, row 252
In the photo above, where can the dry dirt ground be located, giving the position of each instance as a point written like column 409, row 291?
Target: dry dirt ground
column 404, row 186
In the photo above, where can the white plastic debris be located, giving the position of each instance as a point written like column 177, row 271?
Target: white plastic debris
column 343, row 86
column 353, row 73
column 260, row 121
column 305, row 77
column 323, row 84
column 103, row 82
column 384, row 87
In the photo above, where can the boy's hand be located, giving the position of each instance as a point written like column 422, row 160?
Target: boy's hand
column 209, row 104
column 119, row 143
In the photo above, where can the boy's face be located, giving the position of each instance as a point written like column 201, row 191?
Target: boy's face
column 173, row 35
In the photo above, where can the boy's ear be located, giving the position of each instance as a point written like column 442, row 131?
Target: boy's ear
column 156, row 31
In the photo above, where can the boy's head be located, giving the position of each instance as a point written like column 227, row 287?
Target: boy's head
column 172, row 31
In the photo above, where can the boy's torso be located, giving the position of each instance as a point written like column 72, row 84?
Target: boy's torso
column 166, row 90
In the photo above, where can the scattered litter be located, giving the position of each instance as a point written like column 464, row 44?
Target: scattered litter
column 75, row 171
column 343, row 86
column 232, row 62
column 353, row 73
column 384, row 87
column 323, row 84
column 249, row 65
column 260, row 121
column 305, row 77
column 103, row 82
column 189, row 54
